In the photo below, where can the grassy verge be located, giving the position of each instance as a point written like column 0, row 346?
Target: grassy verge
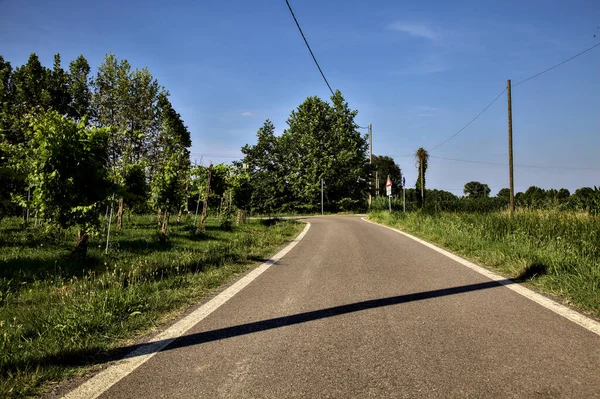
column 58, row 313
column 557, row 252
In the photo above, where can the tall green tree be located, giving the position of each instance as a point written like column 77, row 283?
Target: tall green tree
column 69, row 172
column 58, row 88
column 79, row 88
column 30, row 92
column 265, row 163
column 128, row 101
column 475, row 189
column 322, row 142
column 422, row 159
column 173, row 167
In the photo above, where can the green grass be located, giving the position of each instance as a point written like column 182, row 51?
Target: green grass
column 59, row 314
column 556, row 252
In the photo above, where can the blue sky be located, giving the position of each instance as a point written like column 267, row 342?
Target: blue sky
column 418, row 71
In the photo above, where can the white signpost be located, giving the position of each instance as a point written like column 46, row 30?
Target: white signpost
column 388, row 189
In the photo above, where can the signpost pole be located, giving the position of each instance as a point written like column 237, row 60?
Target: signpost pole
column 321, row 196
column 388, row 191
column 403, row 195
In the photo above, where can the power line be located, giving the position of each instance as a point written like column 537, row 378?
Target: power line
column 309, row 49
column 519, row 166
column 467, row 125
column 514, row 85
column 557, row 65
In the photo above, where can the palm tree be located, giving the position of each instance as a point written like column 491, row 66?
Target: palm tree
column 422, row 157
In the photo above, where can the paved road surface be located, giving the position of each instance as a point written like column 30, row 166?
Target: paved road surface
column 357, row 310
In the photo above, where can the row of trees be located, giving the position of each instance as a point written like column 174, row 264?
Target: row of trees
column 69, row 142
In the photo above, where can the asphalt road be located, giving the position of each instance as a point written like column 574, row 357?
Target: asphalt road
column 357, row 310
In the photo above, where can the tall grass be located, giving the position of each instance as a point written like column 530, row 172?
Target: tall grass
column 58, row 312
column 558, row 252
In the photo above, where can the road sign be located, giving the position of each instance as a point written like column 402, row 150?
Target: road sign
column 388, row 186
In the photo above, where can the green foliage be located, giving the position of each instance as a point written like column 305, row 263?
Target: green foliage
column 385, row 166
column 475, row 189
column 171, row 169
column 68, row 171
column 60, row 97
column 321, row 142
column 136, row 191
column 504, row 193
column 422, row 160
column 79, row 88
column 242, row 189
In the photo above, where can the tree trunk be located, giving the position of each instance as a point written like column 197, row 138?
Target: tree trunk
column 165, row 224
column 120, row 214
column 158, row 217
column 82, row 243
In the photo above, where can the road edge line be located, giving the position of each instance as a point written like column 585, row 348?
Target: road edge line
column 568, row 313
column 108, row 377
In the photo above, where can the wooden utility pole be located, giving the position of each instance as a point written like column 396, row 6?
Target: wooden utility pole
column 370, row 159
column 510, row 153
column 205, row 204
column 422, row 183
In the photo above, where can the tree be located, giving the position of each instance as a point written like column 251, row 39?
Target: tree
column 384, row 166
column 69, row 173
column 504, row 193
column 60, row 98
column 563, row 194
column 129, row 103
column 241, row 193
column 172, row 169
column 322, row 142
column 475, row 189
column 30, row 92
column 79, row 88
column 422, row 158
column 136, row 192
column 265, row 165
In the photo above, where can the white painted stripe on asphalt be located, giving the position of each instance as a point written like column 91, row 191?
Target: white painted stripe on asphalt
column 570, row 314
column 101, row 382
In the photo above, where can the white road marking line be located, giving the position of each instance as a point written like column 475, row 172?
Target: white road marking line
column 101, row 382
column 570, row 314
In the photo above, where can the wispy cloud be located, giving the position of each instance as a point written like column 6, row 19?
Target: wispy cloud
column 416, row 30
column 426, row 64
column 248, row 114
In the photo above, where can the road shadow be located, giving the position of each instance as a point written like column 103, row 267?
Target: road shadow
column 99, row 356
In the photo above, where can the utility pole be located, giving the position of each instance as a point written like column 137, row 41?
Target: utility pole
column 370, row 159
column 510, row 153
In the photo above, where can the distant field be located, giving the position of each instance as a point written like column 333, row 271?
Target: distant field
column 557, row 252
column 57, row 312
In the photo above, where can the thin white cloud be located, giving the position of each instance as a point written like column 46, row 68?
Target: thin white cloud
column 427, row 64
column 248, row 114
column 416, row 30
